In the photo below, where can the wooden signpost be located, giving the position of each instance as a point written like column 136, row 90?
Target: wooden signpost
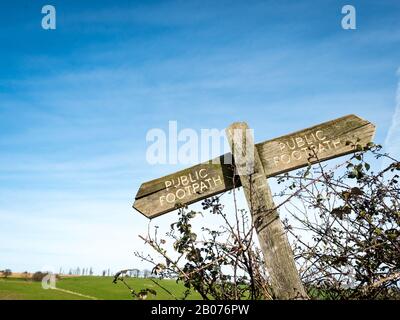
column 269, row 158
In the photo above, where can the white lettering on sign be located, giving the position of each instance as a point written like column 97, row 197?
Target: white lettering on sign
column 186, row 185
column 298, row 148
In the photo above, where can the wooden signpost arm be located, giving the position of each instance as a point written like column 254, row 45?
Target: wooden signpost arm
column 278, row 255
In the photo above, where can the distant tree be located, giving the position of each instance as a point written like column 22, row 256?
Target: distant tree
column 25, row 274
column 146, row 273
column 104, row 273
column 38, row 276
column 91, row 271
column 7, row 273
column 135, row 273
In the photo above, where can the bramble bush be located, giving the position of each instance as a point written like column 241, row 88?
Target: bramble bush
column 343, row 223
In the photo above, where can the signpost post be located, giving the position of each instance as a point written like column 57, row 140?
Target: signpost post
column 253, row 164
column 278, row 255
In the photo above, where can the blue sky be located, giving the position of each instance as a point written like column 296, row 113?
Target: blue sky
column 76, row 103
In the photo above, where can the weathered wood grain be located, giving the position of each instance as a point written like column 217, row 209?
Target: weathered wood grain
column 278, row 255
column 278, row 155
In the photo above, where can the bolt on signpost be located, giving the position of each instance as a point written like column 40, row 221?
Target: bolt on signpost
column 253, row 164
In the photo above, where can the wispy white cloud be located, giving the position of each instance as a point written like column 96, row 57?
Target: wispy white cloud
column 392, row 141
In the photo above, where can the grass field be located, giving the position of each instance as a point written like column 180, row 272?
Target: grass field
column 84, row 288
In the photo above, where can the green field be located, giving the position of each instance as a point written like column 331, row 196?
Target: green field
column 85, row 288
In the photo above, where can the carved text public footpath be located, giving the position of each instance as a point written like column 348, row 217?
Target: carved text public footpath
column 298, row 148
column 193, row 183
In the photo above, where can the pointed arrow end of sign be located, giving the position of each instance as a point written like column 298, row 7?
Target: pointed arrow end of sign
column 369, row 127
column 136, row 205
column 369, row 124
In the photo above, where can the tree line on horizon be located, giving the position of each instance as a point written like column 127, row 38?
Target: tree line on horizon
column 134, row 273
